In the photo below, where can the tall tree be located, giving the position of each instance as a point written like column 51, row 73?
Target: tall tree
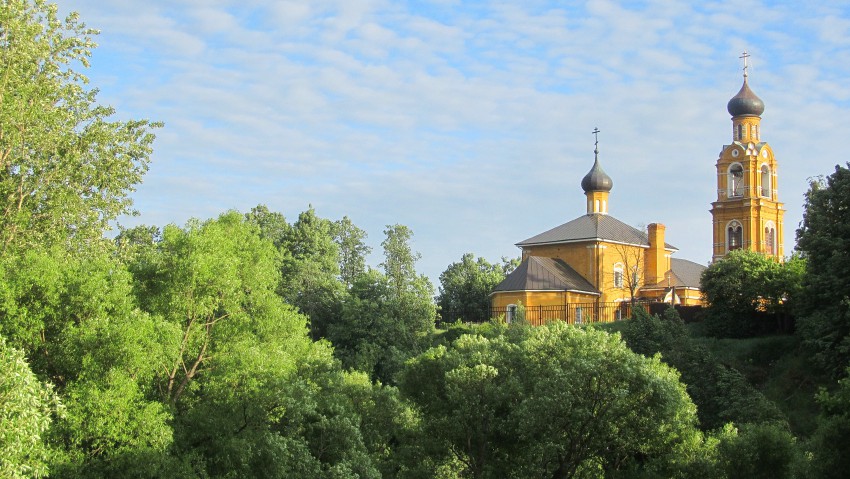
column 824, row 239
column 352, row 250
column 399, row 258
column 66, row 168
column 465, row 289
column 310, row 271
column 272, row 225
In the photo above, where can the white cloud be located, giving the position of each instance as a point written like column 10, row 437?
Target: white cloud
column 468, row 121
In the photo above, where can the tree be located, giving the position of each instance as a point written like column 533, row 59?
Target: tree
column 272, row 225
column 66, row 168
column 632, row 274
column 399, row 259
column 831, row 440
column 744, row 286
column 721, row 393
column 352, row 250
column 310, row 270
column 824, row 239
column 25, row 408
column 766, row 450
column 531, row 403
column 465, row 289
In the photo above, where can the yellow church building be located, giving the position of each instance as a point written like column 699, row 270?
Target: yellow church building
column 594, row 267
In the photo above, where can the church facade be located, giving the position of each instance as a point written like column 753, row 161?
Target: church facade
column 585, row 268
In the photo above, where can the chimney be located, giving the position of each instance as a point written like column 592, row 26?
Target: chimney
column 656, row 261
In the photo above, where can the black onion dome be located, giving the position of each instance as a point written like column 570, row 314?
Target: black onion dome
column 745, row 103
column 596, row 179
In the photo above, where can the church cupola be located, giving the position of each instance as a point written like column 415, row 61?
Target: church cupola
column 746, row 109
column 596, row 184
column 745, row 103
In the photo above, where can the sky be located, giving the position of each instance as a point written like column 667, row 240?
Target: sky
column 468, row 121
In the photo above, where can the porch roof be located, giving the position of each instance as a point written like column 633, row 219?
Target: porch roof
column 538, row 273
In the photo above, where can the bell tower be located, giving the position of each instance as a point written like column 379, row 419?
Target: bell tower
column 747, row 213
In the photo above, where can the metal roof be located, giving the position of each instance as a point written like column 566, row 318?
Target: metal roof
column 592, row 227
column 683, row 274
column 538, row 273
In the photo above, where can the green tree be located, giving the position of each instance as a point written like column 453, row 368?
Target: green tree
column 66, row 168
column 465, row 289
column 386, row 318
column 531, row 403
column 749, row 293
column 765, row 450
column 352, row 250
column 722, row 394
column 824, row 239
column 75, row 317
column 251, row 394
column 399, row 258
column 26, row 405
column 831, row 440
column 272, row 225
column 311, row 270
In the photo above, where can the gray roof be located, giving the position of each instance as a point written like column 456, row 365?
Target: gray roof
column 592, row 227
column 538, row 273
column 683, row 274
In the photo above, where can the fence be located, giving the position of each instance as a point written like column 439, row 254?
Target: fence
column 576, row 313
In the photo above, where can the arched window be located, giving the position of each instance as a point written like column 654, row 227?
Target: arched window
column 510, row 313
column 734, row 236
column 736, row 180
column 765, row 180
column 618, row 275
column 754, row 134
column 769, row 238
column 756, row 131
column 740, row 132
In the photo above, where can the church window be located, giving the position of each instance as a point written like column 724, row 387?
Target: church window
column 753, row 129
column 736, row 180
column 618, row 275
column 756, row 132
column 740, row 132
column 734, row 236
column 765, row 181
column 769, row 238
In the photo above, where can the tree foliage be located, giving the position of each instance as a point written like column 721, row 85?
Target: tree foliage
column 721, row 393
column 824, row 239
column 749, row 293
column 26, row 405
column 831, row 441
column 352, row 250
column 386, row 319
column 531, row 403
column 465, row 288
column 66, row 168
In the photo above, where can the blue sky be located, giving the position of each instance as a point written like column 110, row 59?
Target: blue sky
column 470, row 122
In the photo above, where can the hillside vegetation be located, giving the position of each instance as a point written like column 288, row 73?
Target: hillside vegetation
column 247, row 345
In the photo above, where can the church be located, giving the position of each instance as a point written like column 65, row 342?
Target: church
column 594, row 267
